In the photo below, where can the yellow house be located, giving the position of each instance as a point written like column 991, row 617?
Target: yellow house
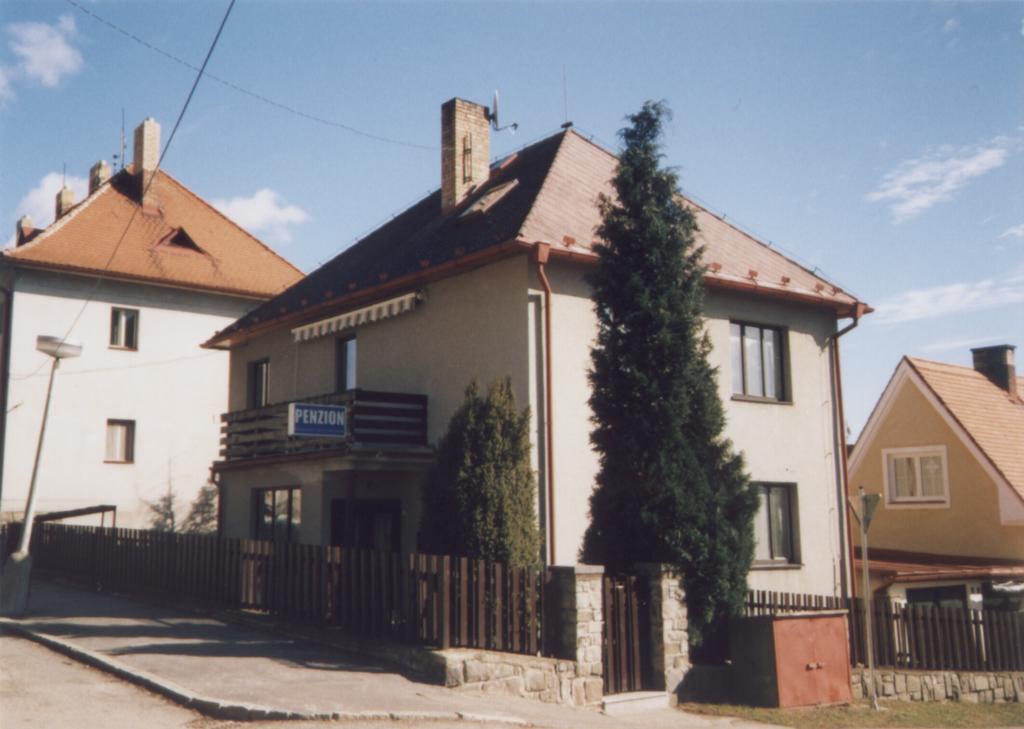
column 944, row 447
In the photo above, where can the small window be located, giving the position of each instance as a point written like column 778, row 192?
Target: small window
column 774, row 537
column 916, row 475
column 757, row 361
column 259, row 384
column 467, row 158
column 278, row 514
column 124, row 328
column 120, row 441
column 345, row 364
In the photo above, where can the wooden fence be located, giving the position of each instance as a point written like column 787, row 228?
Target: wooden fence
column 430, row 599
column 916, row 637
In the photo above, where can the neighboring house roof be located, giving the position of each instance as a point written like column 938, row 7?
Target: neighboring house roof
column 544, row 193
column 992, row 417
column 188, row 244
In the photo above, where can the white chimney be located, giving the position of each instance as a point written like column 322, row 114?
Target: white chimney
column 99, row 173
column 23, row 230
column 65, row 201
column 147, row 154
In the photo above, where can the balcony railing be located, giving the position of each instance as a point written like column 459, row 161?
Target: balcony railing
column 373, row 418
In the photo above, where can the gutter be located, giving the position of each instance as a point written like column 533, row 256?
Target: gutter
column 540, row 257
column 5, row 373
column 859, row 310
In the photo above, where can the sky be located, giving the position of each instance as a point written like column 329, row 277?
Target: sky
column 880, row 143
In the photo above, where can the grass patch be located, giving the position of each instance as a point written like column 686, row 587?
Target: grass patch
column 860, row 716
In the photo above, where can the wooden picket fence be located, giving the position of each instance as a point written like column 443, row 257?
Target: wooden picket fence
column 916, row 637
column 430, row 599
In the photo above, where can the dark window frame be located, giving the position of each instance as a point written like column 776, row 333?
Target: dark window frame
column 261, row 530
column 257, row 393
column 341, row 370
column 792, row 537
column 121, row 335
column 782, row 335
column 129, row 441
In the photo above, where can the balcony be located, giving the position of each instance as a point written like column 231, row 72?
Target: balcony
column 371, row 418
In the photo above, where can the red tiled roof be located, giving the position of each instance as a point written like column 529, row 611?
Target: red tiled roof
column 991, row 416
column 189, row 243
column 558, row 181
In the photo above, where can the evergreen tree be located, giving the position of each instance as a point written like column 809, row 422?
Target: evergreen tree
column 480, row 495
column 202, row 515
column 162, row 517
column 670, row 488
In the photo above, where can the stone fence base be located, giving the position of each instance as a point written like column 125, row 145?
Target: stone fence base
column 976, row 687
column 548, row 679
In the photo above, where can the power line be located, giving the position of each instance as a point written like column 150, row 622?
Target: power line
column 149, row 183
column 118, row 368
column 253, row 94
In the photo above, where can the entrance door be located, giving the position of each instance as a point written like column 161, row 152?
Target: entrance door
column 369, row 524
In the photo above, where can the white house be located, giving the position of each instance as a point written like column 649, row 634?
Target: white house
column 485, row 278
column 141, row 281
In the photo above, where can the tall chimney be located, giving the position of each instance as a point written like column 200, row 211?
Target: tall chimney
column 23, row 230
column 147, row 154
column 65, row 201
column 997, row 364
column 465, row 150
column 99, row 173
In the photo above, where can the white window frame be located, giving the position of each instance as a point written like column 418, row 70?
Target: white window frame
column 126, row 444
column 915, row 502
column 121, row 314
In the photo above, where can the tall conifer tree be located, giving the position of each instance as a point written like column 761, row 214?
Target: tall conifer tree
column 670, row 487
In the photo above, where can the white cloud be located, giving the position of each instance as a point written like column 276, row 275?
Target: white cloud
column 957, row 298
column 40, row 202
column 265, row 214
column 950, row 25
column 950, row 345
column 917, row 184
column 44, row 54
column 1016, row 231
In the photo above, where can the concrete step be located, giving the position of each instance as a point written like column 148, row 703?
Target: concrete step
column 635, row 701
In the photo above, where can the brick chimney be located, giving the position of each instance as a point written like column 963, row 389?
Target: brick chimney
column 65, row 201
column 147, row 154
column 23, row 230
column 997, row 364
column 99, row 173
column 465, row 150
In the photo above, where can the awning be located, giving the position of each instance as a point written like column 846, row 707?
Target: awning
column 357, row 317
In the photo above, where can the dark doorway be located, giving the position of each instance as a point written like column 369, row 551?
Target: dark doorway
column 369, row 524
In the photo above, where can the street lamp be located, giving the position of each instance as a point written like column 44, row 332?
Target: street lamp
column 14, row 584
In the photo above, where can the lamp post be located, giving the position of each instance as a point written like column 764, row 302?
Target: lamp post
column 868, row 504
column 14, row 584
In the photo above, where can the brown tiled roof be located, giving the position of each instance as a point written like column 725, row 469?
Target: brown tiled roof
column 554, row 200
column 189, row 243
column 992, row 417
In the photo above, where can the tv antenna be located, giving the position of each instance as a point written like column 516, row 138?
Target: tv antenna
column 493, row 117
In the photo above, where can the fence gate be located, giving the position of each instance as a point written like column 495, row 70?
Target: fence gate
column 626, row 648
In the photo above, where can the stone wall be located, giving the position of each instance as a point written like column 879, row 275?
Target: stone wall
column 970, row 687
column 552, row 680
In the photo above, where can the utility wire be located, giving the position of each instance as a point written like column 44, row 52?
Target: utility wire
column 253, row 94
column 135, row 211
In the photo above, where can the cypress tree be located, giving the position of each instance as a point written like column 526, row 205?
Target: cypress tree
column 480, row 496
column 670, row 487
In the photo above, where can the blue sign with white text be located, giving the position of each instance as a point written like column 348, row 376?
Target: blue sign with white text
column 320, row 421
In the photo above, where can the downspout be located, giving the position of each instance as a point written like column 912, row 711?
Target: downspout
column 837, row 373
column 5, row 373
column 540, row 257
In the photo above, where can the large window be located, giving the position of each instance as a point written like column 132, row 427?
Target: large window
column 259, row 384
column 278, row 514
column 345, row 364
column 124, row 328
column 757, row 361
column 775, row 540
column 916, row 475
column 120, row 441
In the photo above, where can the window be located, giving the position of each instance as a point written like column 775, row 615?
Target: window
column 916, row 475
column 773, row 524
column 120, row 441
column 278, row 514
column 948, row 596
column 124, row 328
column 757, row 361
column 259, row 383
column 345, row 364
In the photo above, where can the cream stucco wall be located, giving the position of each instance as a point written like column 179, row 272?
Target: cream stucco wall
column 970, row 524
column 174, row 390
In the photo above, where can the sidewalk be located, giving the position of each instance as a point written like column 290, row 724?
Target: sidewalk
column 230, row 671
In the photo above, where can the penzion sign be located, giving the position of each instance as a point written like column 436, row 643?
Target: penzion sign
column 319, row 421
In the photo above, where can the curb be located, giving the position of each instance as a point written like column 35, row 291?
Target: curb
column 229, row 710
